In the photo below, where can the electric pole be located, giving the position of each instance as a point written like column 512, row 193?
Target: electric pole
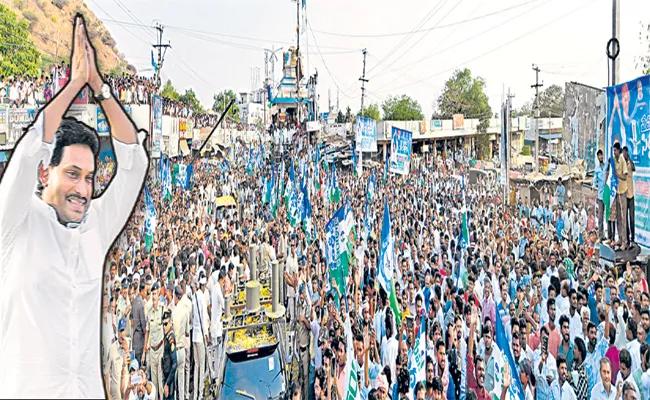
column 616, row 28
column 159, row 47
column 363, row 94
column 537, row 85
column 509, row 147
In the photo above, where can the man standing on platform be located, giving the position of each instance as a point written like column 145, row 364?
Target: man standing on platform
column 621, row 198
column 630, row 196
column 599, row 186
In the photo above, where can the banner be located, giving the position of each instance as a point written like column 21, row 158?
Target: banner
column 182, row 127
column 628, row 122
column 19, row 119
column 582, row 126
column 4, row 119
column 366, row 134
column 157, row 126
column 400, row 151
column 102, row 122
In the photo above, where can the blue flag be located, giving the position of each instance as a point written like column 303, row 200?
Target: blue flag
column 516, row 389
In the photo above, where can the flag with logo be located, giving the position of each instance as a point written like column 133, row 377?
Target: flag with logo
column 150, row 221
column 352, row 391
column 502, row 355
column 337, row 233
column 335, row 192
column 611, row 187
column 182, row 175
column 387, row 264
column 167, row 181
column 418, row 358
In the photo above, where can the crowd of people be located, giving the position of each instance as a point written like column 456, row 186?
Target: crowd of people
column 574, row 329
column 25, row 91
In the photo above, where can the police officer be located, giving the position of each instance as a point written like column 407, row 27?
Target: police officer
column 169, row 361
column 154, row 338
column 122, row 300
column 303, row 331
column 181, row 320
column 116, row 370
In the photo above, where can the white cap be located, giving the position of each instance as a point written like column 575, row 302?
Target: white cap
column 203, row 281
column 136, row 276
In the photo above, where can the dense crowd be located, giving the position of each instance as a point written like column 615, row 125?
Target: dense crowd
column 34, row 91
column 528, row 287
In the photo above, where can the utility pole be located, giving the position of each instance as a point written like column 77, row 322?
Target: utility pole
column 616, row 28
column 159, row 47
column 537, row 85
column 363, row 94
column 509, row 147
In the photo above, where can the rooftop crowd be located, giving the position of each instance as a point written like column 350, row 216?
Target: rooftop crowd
column 34, row 91
column 574, row 329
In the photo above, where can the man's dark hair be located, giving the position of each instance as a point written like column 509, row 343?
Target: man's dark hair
column 560, row 360
column 625, row 358
column 563, row 319
column 599, row 152
column 617, row 146
column 631, row 325
column 222, row 274
column 582, row 349
column 72, row 132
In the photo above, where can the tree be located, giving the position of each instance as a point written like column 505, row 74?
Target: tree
column 402, row 108
column 340, row 117
column 189, row 98
column 169, row 91
column 465, row 95
column 551, row 102
column 221, row 101
column 348, row 115
column 526, row 110
column 371, row 112
column 18, row 54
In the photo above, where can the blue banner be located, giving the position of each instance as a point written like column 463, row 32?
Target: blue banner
column 157, row 127
column 628, row 122
column 366, row 133
column 400, row 151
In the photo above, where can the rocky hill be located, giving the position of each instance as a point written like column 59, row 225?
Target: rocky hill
column 50, row 24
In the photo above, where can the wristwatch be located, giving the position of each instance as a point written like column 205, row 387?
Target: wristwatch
column 105, row 93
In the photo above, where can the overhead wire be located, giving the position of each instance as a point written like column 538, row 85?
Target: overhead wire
column 455, row 45
column 209, row 33
column 457, row 23
column 403, row 41
column 495, row 48
column 325, row 64
column 423, row 36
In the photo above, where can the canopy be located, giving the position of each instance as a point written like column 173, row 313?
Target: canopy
column 184, row 148
column 225, row 201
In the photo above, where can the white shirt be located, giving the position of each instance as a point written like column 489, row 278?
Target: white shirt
column 218, row 305
column 51, row 275
column 389, row 350
column 631, row 381
column 198, row 317
column 599, row 393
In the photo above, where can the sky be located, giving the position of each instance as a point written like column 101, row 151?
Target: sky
column 413, row 46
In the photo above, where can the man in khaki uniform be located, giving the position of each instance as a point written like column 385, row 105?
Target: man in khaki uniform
column 621, row 197
column 630, row 196
column 181, row 321
column 154, row 339
column 116, row 370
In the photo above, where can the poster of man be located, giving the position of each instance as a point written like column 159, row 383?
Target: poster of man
column 55, row 237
